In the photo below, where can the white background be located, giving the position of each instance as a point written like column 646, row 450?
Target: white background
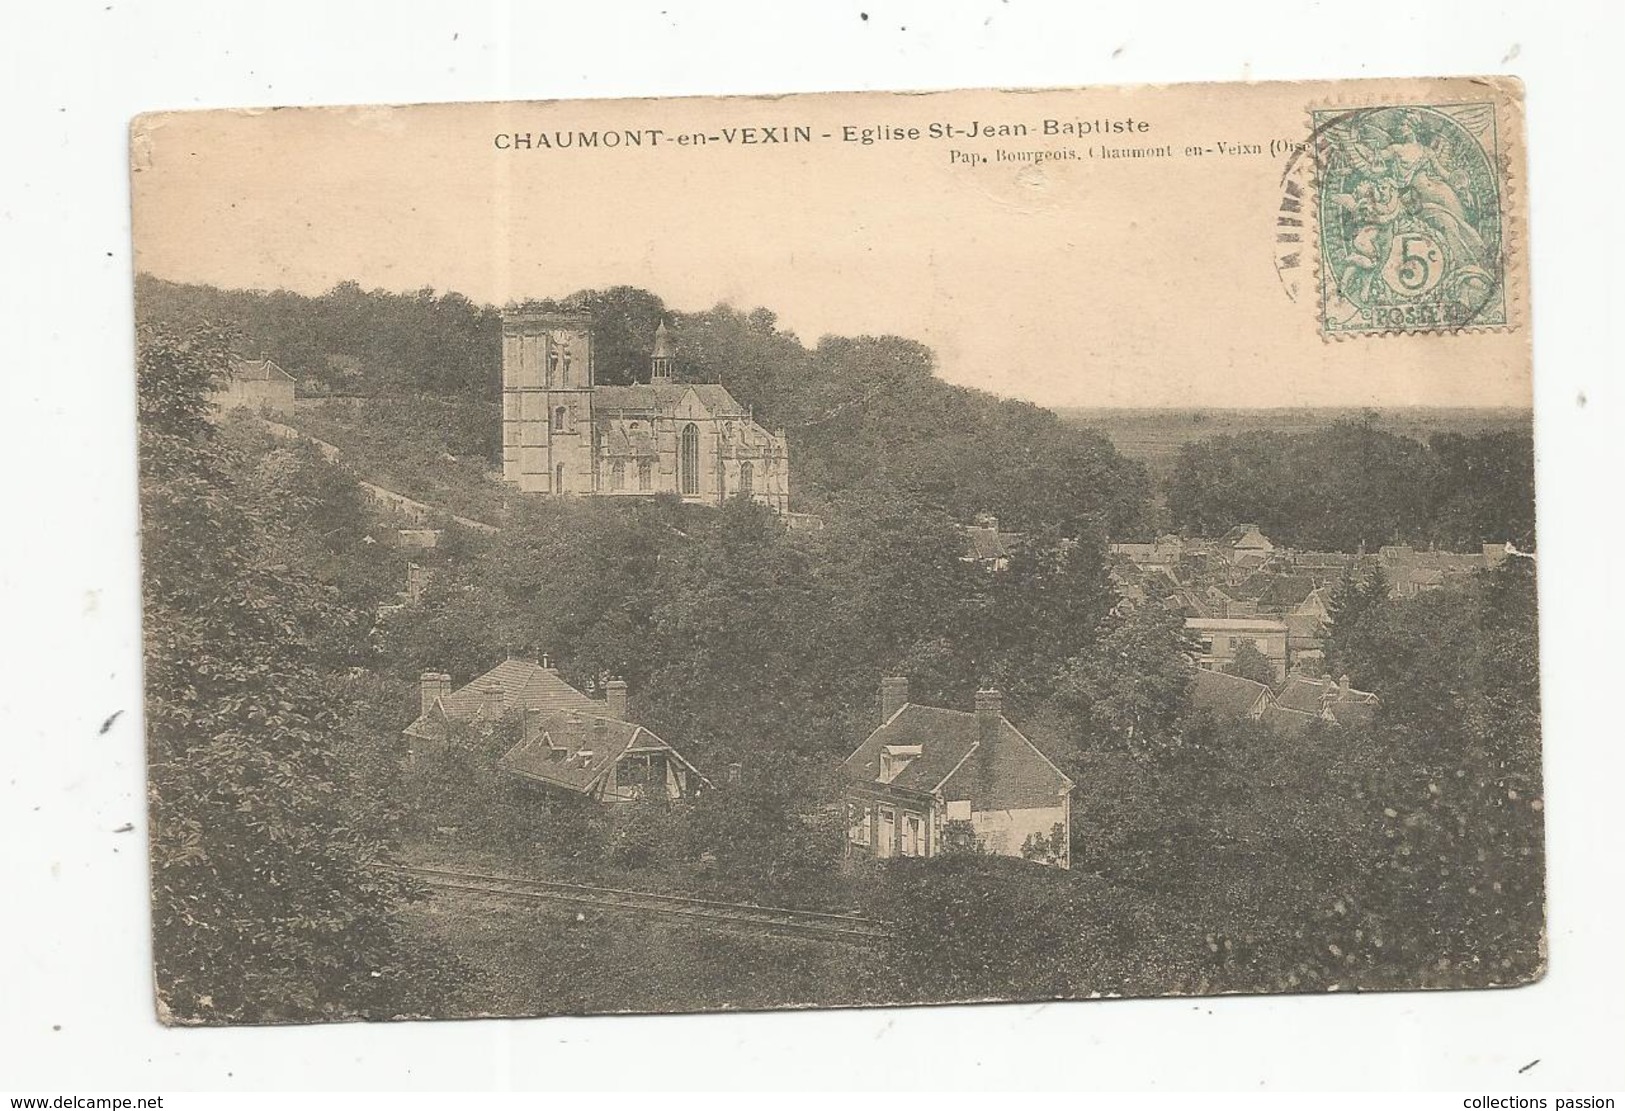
column 74, row 985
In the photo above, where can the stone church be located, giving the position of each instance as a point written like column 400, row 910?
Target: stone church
column 562, row 433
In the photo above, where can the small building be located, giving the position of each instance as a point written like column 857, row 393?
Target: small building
column 1221, row 637
column 258, row 385
column 930, row 778
column 1246, row 545
column 563, row 740
column 1330, row 700
column 1228, row 697
column 986, row 546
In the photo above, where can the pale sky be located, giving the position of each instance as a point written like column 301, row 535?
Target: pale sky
column 1087, row 282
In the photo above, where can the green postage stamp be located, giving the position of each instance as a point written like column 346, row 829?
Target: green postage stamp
column 1411, row 221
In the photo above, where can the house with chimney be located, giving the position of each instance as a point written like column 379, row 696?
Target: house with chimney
column 559, row 738
column 1301, row 700
column 929, row 778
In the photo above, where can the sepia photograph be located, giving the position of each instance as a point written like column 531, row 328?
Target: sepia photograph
column 547, row 612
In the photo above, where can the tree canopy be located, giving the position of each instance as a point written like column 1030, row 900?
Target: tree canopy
column 267, row 902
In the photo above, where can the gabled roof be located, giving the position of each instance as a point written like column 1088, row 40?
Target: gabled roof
column 552, row 749
column 1015, row 775
column 1247, row 537
column 946, row 737
column 1353, row 711
column 1312, row 696
column 1278, row 590
column 525, row 685
column 1305, row 626
column 1224, row 695
column 1286, row 720
column 259, row 370
column 575, row 751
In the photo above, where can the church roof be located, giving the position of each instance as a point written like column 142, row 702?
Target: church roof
column 652, row 397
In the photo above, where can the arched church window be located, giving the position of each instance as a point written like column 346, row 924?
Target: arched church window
column 646, row 476
column 747, row 480
column 689, row 464
column 559, row 416
column 617, row 476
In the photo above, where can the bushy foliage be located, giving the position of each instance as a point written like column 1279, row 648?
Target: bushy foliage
column 975, row 926
column 1352, row 484
column 1250, row 663
column 268, row 903
column 1401, row 853
column 348, row 340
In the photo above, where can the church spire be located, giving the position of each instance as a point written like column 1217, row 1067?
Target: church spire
column 660, row 361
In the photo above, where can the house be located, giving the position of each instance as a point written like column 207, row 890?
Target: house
column 1275, row 593
column 1246, row 545
column 1222, row 636
column 1228, row 697
column 1411, row 572
column 564, row 433
column 1317, row 604
column 929, row 778
column 986, row 546
column 258, row 385
column 1330, row 700
column 563, row 740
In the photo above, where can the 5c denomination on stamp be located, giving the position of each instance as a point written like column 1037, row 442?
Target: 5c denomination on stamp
column 1411, row 222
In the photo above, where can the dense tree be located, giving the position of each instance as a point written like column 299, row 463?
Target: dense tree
column 267, row 903
column 1131, row 694
column 1352, row 485
column 1250, row 663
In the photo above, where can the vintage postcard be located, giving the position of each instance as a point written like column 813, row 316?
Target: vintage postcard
column 838, row 550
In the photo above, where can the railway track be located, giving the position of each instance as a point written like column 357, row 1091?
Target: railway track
column 821, row 925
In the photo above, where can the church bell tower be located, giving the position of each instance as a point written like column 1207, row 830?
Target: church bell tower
column 547, row 383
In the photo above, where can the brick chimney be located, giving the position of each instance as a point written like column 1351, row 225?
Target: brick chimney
column 615, row 699
column 893, row 696
column 491, row 701
column 989, row 715
column 432, row 686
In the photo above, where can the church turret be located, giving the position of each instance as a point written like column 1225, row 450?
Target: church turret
column 660, row 360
